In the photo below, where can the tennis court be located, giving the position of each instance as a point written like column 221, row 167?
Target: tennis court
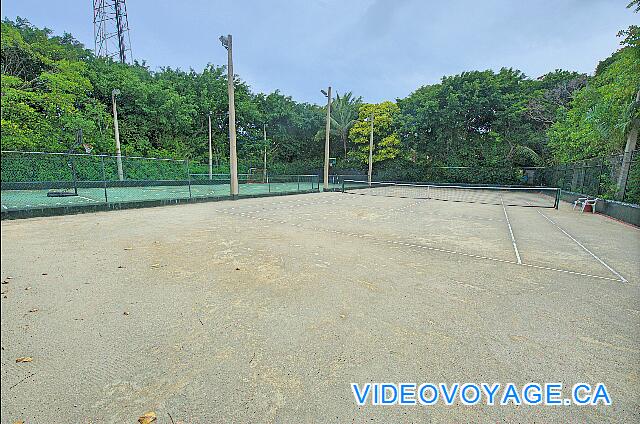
column 267, row 309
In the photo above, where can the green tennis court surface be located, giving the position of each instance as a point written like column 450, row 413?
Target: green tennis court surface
column 29, row 199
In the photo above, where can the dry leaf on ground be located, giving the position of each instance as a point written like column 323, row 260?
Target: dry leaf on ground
column 24, row 359
column 148, row 418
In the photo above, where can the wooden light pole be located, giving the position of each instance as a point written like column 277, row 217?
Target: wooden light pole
column 264, row 169
column 210, row 151
column 326, row 139
column 370, row 151
column 233, row 156
column 114, row 93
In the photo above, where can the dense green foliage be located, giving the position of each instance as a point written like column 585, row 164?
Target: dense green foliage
column 476, row 126
column 344, row 112
column 386, row 140
column 19, row 167
column 596, row 121
column 52, row 87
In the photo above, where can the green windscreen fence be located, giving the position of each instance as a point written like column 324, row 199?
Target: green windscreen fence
column 51, row 180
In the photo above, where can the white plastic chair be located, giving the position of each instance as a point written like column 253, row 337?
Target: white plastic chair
column 586, row 201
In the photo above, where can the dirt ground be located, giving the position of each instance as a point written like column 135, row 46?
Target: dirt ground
column 265, row 310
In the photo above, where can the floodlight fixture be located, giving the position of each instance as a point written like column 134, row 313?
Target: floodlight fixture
column 225, row 41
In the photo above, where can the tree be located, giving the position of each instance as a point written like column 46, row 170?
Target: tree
column 474, row 119
column 597, row 119
column 291, row 126
column 344, row 112
column 555, row 92
column 46, row 91
column 386, row 139
column 481, row 120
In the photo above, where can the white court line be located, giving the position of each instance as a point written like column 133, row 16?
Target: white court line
column 513, row 239
column 585, row 249
column 450, row 252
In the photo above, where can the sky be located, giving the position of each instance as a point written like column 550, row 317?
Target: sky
column 378, row 49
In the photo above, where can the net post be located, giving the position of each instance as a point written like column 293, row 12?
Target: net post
column 104, row 179
column 298, row 182
column 343, row 185
column 557, row 202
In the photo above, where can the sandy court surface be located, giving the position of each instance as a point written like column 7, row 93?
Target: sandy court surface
column 266, row 309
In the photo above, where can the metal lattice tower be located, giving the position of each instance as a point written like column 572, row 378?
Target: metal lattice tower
column 111, row 29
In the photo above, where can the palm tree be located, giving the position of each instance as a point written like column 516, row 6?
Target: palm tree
column 344, row 113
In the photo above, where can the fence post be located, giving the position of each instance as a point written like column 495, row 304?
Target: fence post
column 584, row 172
column 188, row 177
column 600, row 176
column 626, row 180
column 104, row 179
column 73, row 173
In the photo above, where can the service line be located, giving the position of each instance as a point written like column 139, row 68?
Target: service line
column 420, row 246
column 617, row 274
column 513, row 239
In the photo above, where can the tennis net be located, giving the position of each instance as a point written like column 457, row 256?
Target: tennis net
column 543, row 197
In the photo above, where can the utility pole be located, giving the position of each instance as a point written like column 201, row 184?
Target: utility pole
column 632, row 139
column 114, row 93
column 326, row 139
column 371, row 150
column 233, row 156
column 210, row 151
column 264, row 169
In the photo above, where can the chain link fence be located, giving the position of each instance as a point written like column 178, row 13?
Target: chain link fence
column 35, row 180
column 598, row 177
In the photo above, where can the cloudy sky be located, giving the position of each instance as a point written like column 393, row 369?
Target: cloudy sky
column 379, row 49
